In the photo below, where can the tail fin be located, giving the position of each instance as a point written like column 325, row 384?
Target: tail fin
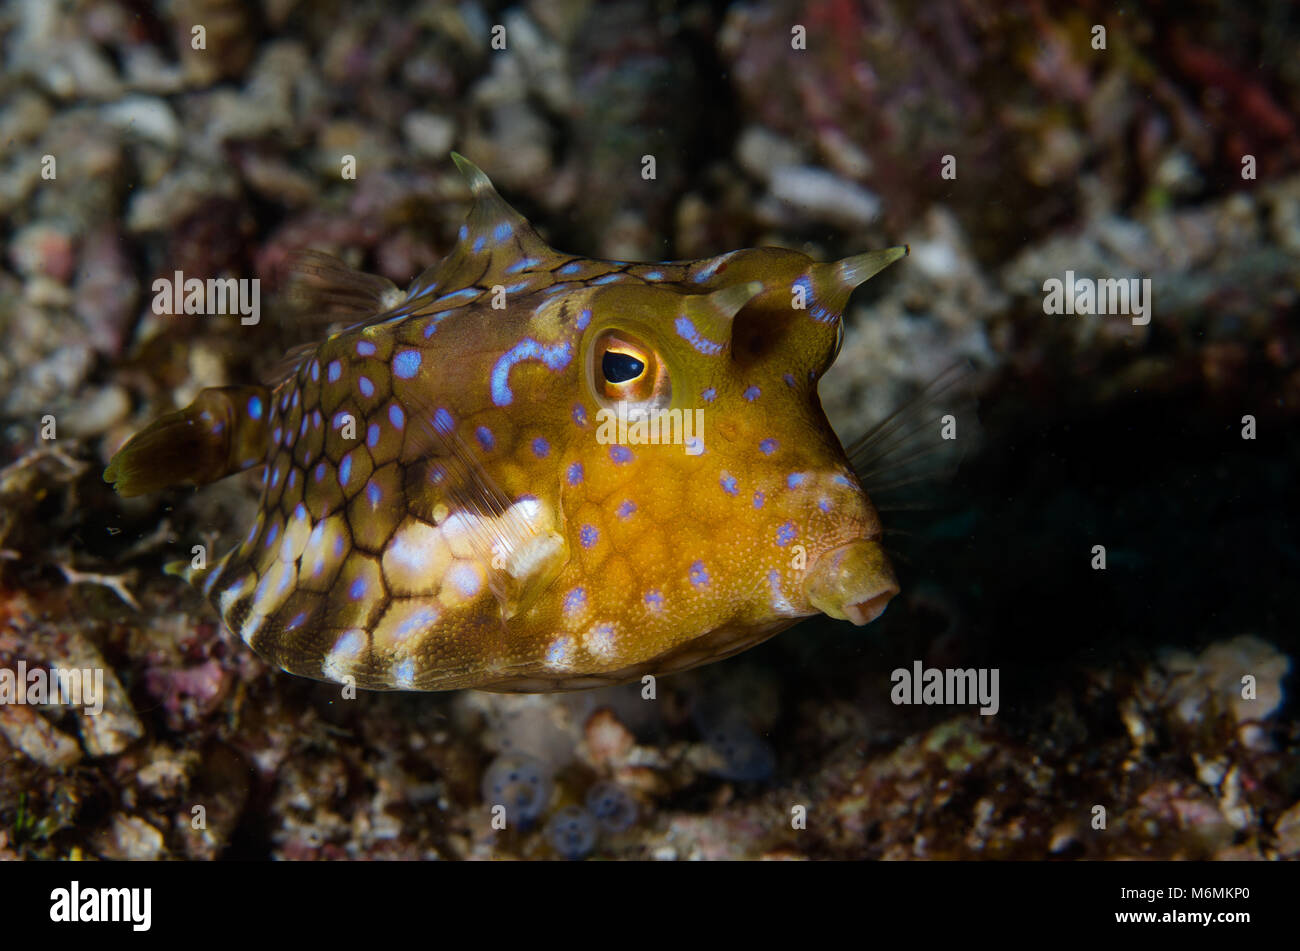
column 223, row 431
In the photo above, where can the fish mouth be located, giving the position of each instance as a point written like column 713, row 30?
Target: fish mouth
column 864, row 612
column 854, row 582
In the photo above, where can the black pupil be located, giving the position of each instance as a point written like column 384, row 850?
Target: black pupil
column 620, row 367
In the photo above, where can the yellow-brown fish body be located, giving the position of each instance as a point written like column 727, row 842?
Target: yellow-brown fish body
column 449, row 501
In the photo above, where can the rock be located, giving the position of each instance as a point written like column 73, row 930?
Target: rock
column 43, row 248
column 1216, row 681
column 1287, row 830
column 430, row 135
column 607, row 740
column 116, row 726
column 130, row 838
column 28, row 731
column 760, row 152
column 146, row 117
column 820, row 195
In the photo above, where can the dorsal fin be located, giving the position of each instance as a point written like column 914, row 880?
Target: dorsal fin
column 496, row 245
column 323, row 288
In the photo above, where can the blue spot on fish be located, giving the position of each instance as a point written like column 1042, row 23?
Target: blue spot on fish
column 465, row 294
column 406, row 364
column 465, row 578
column 554, row 357
column 786, row 534
column 485, row 438
column 699, row 575
column 575, row 473
column 711, row 268
column 588, row 536
column 557, row 654
column 255, row 407
column 415, row 623
column 686, row 330
column 805, row 285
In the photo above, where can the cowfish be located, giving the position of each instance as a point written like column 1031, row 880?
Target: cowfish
column 462, row 487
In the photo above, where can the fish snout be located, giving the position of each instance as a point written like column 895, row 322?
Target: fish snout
column 853, row 582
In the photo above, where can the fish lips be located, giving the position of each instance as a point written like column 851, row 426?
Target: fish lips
column 854, row 582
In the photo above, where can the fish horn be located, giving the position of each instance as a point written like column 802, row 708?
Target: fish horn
column 857, row 270
column 706, row 318
column 729, row 301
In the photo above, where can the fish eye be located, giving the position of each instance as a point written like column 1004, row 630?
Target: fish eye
column 620, row 367
column 623, row 369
